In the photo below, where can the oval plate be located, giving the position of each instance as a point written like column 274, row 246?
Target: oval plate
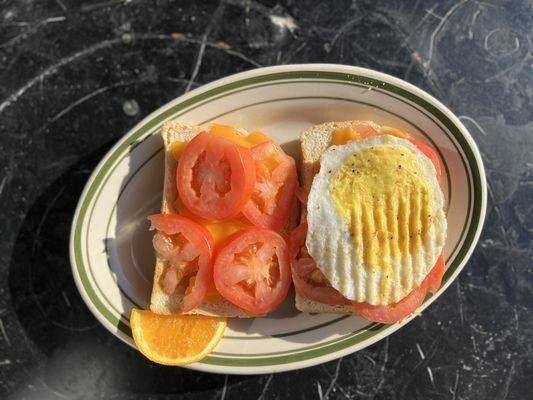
column 110, row 246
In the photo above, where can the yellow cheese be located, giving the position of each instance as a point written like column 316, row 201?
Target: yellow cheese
column 177, row 149
column 230, row 133
column 220, row 229
column 344, row 135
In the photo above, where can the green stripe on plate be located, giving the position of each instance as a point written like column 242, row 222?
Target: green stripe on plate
column 296, row 357
column 370, row 327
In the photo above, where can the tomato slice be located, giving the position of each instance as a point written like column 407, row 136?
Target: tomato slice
column 398, row 311
column 393, row 312
column 188, row 247
column 215, row 177
column 308, row 280
column 431, row 154
column 434, row 278
column 252, row 270
column 274, row 193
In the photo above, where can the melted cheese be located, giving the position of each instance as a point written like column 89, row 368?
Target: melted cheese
column 177, row 149
column 220, row 230
column 359, row 132
column 344, row 135
column 228, row 132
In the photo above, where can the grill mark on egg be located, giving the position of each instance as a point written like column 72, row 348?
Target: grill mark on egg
column 392, row 223
column 414, row 231
column 428, row 237
column 368, row 249
column 355, row 265
column 405, row 231
column 358, row 249
column 343, row 262
column 339, row 260
column 426, row 215
column 429, row 250
column 384, row 247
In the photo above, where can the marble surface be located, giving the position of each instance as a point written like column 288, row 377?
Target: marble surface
column 75, row 76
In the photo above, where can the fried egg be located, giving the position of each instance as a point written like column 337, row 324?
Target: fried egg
column 376, row 221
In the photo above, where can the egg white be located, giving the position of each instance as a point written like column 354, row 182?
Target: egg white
column 330, row 244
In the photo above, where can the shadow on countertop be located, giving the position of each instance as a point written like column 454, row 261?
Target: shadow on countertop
column 79, row 355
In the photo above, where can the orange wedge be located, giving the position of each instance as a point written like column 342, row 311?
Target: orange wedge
column 175, row 339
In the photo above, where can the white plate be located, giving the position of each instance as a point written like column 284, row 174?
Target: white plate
column 110, row 246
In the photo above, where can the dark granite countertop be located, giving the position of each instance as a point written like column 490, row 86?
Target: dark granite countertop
column 75, row 76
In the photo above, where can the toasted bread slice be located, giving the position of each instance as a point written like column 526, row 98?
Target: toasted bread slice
column 314, row 141
column 161, row 302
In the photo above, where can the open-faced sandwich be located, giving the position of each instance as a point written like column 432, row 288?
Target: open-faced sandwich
column 228, row 198
column 372, row 232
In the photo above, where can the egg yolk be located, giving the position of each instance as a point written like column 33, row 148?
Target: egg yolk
column 385, row 198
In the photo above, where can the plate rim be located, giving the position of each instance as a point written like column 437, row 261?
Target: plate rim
column 261, row 72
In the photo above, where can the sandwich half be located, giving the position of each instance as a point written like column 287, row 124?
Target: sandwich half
column 176, row 137
column 373, row 229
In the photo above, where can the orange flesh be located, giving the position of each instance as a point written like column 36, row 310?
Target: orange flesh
column 175, row 339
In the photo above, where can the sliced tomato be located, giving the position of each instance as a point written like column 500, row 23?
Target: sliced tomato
column 398, row 311
column 188, row 248
column 431, row 154
column 308, row 280
column 434, row 278
column 274, row 193
column 215, row 177
column 252, row 270
column 393, row 312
